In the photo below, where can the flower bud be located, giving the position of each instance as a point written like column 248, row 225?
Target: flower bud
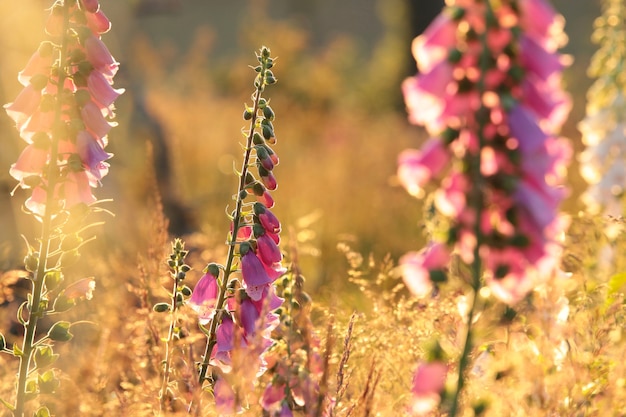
column 161, row 307
column 213, row 269
column 60, row 331
column 31, row 261
column 268, row 113
column 53, row 279
column 247, row 114
column 186, row 291
column 3, row 342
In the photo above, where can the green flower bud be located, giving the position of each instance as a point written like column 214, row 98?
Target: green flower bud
column 60, row 331
column 31, row 261
column 262, row 103
column 265, row 52
column 186, row 291
column 3, row 342
column 438, row 276
column 247, row 114
column 268, row 131
column 257, row 139
column 161, row 307
column 63, row 303
column 269, row 78
column 53, row 279
column 213, row 269
column 43, row 411
column 268, row 113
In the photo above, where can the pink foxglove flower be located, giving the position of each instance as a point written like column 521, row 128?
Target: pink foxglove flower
column 204, row 298
column 498, row 116
column 428, row 384
column 80, row 88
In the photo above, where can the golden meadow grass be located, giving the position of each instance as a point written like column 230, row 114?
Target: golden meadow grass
column 559, row 352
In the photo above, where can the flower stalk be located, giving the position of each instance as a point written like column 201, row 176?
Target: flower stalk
column 245, row 239
column 60, row 113
column 488, row 91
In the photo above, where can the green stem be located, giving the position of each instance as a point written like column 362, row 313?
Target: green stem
column 35, row 312
column 478, row 205
column 212, row 337
column 170, row 335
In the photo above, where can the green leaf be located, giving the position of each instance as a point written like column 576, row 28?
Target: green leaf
column 7, row 405
column 20, row 315
column 17, row 351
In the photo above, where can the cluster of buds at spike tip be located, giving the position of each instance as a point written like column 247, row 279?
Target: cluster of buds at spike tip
column 603, row 162
column 236, row 301
column 65, row 108
column 488, row 91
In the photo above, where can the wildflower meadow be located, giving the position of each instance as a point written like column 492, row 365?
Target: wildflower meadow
column 390, row 208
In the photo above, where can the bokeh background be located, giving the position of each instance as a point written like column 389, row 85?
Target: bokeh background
column 340, row 119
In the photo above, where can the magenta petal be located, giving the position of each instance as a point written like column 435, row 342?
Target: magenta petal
column 253, row 271
column 538, row 60
column 31, row 161
column 101, row 90
column 99, row 56
column 204, row 297
column 273, row 395
column 98, row 22
column 249, row 316
column 268, row 250
column 433, row 45
column 416, row 168
column 269, row 221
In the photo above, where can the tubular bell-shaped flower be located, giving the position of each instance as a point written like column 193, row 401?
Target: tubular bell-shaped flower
column 51, row 83
column 236, row 301
column 500, row 113
column 489, row 93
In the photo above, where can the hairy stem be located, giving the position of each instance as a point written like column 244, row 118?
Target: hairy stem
column 478, row 205
column 170, row 335
column 212, row 337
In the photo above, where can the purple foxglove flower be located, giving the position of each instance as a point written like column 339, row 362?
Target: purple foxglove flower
column 268, row 250
column 94, row 120
column 417, row 167
column 428, row 383
column 98, row 22
column 253, row 271
column 204, row 297
column 268, row 220
column 99, row 56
